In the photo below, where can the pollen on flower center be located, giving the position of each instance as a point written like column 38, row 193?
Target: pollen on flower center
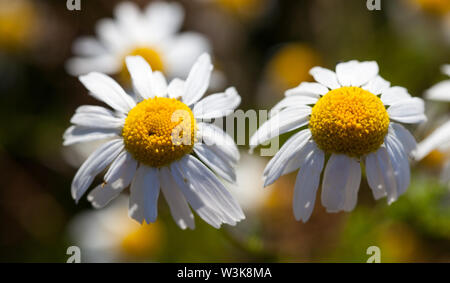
column 152, row 56
column 349, row 120
column 159, row 131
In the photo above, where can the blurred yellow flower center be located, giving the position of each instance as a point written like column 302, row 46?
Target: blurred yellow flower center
column 143, row 240
column 159, row 131
column 349, row 120
column 152, row 56
column 246, row 8
column 17, row 20
column 237, row 4
column 435, row 159
column 439, row 7
column 291, row 64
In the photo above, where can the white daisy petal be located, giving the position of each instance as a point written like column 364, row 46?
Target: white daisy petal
column 339, row 173
column 198, row 80
column 127, row 172
column 164, row 18
column 78, row 134
column 144, row 193
column 178, row 205
column 159, row 84
column 326, row 77
column 94, row 109
column 387, row 174
column 354, row 73
column 110, row 34
column 211, row 189
column 440, row 91
column 399, row 161
column 409, row 111
column 96, row 117
column 394, row 94
column 375, row 176
column 377, row 86
column 217, row 105
column 176, row 88
column 307, row 183
column 128, row 18
column 123, row 164
column 308, row 89
column 297, row 160
column 107, row 90
column 141, row 76
column 182, row 52
column 104, row 63
column 207, row 213
column 102, row 195
column 218, row 141
column 278, row 163
column 283, row 122
column 113, row 186
column 439, row 136
column 404, row 136
column 87, row 46
column 219, row 165
column 95, row 163
column 352, row 187
column 294, row 101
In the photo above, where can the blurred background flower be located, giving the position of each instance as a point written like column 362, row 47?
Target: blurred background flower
column 38, row 97
column 434, row 150
column 151, row 33
column 111, row 236
column 17, row 34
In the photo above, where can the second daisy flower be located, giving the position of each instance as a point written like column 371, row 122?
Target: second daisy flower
column 351, row 115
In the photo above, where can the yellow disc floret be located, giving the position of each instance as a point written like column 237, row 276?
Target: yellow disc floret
column 159, row 131
column 349, row 120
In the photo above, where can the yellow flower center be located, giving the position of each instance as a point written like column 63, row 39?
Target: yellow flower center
column 349, row 120
column 152, row 56
column 438, row 7
column 435, row 159
column 17, row 20
column 243, row 8
column 291, row 64
column 142, row 240
column 159, row 131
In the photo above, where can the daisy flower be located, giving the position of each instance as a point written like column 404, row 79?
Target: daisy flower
column 151, row 33
column 440, row 138
column 348, row 116
column 159, row 142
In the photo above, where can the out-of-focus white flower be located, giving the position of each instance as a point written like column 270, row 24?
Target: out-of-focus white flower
column 440, row 138
column 110, row 236
column 152, row 139
column 440, row 91
column 349, row 115
column 152, row 34
column 249, row 182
